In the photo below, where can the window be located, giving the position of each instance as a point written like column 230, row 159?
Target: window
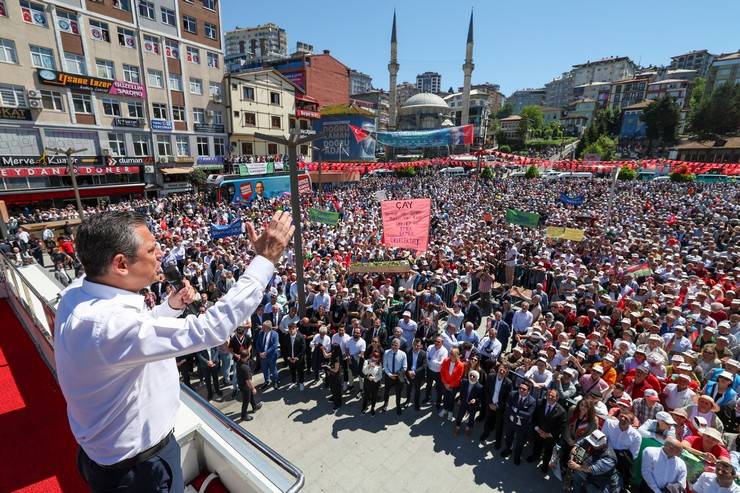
column 276, row 122
column 209, row 30
column 182, row 144
column 99, row 31
column 250, row 120
column 304, row 150
column 214, row 89
column 168, row 16
column 74, row 63
column 3, row 9
column 111, row 107
column 67, row 22
column 219, row 148
column 42, row 57
column 175, row 82
column 12, row 96
column 196, row 86
column 151, row 44
column 7, row 51
column 203, row 147
column 189, row 24
column 126, row 37
column 154, row 78
column 105, row 69
column 82, row 103
column 272, row 149
column 193, row 55
column 248, row 93
column 117, row 143
column 213, row 60
column 159, row 110
column 199, row 115
column 131, row 73
column 52, row 100
column 164, row 145
column 33, row 13
column 217, row 118
column 122, row 5
column 247, row 148
column 178, row 113
column 146, row 9
column 141, row 145
column 135, row 109
column 275, row 98
column 209, row 4
column 171, row 48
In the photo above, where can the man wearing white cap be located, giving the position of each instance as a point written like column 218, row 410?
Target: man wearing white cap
column 625, row 440
column 663, row 469
column 660, row 428
column 408, row 326
column 597, row 471
column 678, row 394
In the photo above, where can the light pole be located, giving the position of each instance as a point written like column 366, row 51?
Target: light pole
column 617, row 169
column 321, row 184
column 292, row 142
column 70, row 170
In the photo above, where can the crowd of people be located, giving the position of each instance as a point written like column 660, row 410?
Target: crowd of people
column 583, row 357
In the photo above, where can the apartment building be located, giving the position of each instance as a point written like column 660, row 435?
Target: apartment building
column 135, row 86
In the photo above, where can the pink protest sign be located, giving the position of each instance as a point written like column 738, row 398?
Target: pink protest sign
column 406, row 223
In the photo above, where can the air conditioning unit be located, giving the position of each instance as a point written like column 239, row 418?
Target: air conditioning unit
column 216, row 98
column 105, row 152
column 162, row 159
column 35, row 103
column 33, row 94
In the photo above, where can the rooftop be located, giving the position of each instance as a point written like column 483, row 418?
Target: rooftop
column 667, row 81
column 728, row 56
column 603, row 60
column 728, row 143
column 511, row 118
column 638, row 106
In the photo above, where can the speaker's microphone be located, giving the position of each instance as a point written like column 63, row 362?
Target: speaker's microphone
column 174, row 277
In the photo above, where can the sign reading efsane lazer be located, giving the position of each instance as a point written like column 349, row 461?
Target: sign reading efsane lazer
column 406, row 223
column 75, row 81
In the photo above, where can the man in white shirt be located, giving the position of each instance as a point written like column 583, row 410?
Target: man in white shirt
column 356, row 352
column 722, row 480
column 663, row 467
column 489, row 349
column 116, row 360
column 436, row 353
column 625, row 440
column 394, row 367
column 521, row 321
column 408, row 327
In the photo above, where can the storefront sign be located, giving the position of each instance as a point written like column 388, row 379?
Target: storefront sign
column 74, row 81
column 62, row 171
column 129, row 161
column 210, row 160
column 14, row 113
column 162, row 125
column 307, row 114
column 202, row 127
column 126, row 122
column 84, row 161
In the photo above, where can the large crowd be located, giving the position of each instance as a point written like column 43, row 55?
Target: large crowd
column 589, row 358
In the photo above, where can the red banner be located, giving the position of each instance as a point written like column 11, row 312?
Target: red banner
column 62, row 171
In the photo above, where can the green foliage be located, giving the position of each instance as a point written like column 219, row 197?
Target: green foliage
column 627, row 174
column 682, row 177
column 486, row 173
column 604, row 146
column 197, row 178
column 406, row 172
column 605, row 123
column 661, row 119
column 532, row 172
column 549, row 142
column 718, row 114
column 532, row 120
column 505, row 111
column 505, row 148
column 698, row 95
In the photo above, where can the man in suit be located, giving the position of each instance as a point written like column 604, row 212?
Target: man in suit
column 159, row 288
column 394, row 369
column 471, row 397
column 472, row 312
column 427, row 331
column 295, row 348
column 503, row 331
column 268, row 349
column 417, row 372
column 549, row 422
column 208, row 365
column 518, row 419
column 498, row 388
column 377, row 331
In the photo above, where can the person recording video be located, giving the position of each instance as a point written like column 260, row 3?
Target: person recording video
column 115, row 359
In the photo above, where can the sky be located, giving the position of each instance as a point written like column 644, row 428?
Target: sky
column 518, row 43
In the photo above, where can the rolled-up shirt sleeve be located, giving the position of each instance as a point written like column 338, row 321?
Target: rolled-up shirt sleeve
column 132, row 338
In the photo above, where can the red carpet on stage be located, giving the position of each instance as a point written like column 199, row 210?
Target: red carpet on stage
column 37, row 450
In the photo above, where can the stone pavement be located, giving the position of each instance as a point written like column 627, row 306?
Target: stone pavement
column 348, row 451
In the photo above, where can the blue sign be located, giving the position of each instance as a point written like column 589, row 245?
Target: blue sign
column 428, row 138
column 632, row 125
column 209, row 160
column 568, row 200
column 222, row 231
column 340, row 144
column 160, row 124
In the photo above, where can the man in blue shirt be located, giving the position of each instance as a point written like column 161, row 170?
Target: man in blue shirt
column 394, row 367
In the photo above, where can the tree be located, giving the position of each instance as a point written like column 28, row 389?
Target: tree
column 532, row 172
column 698, row 94
column 604, row 147
column 719, row 114
column 487, row 173
column 505, row 111
column 661, row 121
column 197, row 178
column 627, row 174
column 532, row 121
column 504, row 148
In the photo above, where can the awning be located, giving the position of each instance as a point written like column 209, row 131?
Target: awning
column 175, row 171
column 209, row 166
column 304, row 97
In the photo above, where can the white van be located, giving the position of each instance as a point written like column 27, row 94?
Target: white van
column 380, row 172
column 569, row 174
column 453, row 171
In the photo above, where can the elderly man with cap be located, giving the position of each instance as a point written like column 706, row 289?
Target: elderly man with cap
column 663, row 469
column 593, row 383
column 660, row 428
column 722, row 480
column 539, row 374
column 705, row 408
column 707, row 444
column 638, row 382
column 678, row 393
column 625, row 440
column 408, row 326
column 594, row 465
column 647, row 406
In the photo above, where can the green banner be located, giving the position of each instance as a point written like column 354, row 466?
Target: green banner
column 528, row 219
column 323, row 217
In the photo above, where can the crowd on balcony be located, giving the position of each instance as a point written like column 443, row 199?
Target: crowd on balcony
column 611, row 362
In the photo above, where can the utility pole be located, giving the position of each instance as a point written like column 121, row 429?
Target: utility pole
column 321, row 184
column 70, row 170
column 296, row 138
column 617, row 169
column 484, row 131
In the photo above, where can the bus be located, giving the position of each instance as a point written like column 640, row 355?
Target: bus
column 244, row 189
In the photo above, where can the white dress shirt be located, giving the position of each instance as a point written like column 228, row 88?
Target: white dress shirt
column 435, row 357
column 707, row 483
column 356, row 347
column 658, row 470
column 629, row 439
column 116, row 360
column 490, row 347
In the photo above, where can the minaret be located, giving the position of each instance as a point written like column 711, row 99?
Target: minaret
column 468, row 72
column 393, row 71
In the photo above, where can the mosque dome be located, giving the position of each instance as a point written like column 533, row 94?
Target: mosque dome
column 425, row 100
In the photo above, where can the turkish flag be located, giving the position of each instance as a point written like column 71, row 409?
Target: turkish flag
column 359, row 133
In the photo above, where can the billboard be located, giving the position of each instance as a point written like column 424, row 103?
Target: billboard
column 340, row 144
column 260, row 188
